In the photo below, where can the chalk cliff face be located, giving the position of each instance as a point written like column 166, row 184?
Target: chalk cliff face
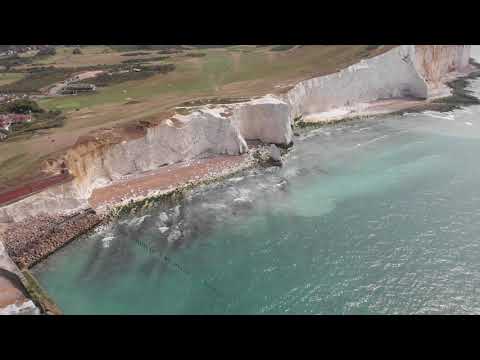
column 435, row 62
column 221, row 130
column 405, row 71
column 266, row 119
column 56, row 199
column 392, row 74
column 177, row 139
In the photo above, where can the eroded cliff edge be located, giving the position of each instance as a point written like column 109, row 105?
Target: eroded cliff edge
column 410, row 72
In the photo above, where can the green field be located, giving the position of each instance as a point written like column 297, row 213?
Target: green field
column 8, row 78
column 253, row 69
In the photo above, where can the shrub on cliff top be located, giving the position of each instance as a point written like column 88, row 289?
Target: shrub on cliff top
column 106, row 79
column 46, row 51
column 22, row 106
column 282, row 47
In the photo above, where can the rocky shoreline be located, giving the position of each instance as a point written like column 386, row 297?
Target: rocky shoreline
column 33, row 239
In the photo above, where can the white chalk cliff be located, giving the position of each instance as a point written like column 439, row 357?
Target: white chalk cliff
column 266, row 119
column 178, row 139
column 436, row 62
column 389, row 75
column 405, row 71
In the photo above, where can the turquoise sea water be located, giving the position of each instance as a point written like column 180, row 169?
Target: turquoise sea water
column 380, row 216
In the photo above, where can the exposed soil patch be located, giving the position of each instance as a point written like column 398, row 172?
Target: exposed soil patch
column 21, row 192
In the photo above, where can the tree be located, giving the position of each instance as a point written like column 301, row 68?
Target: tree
column 47, row 51
column 21, row 106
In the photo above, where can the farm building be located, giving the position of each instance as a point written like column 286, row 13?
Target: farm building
column 76, row 88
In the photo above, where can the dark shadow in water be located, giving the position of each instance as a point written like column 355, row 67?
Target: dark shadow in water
column 164, row 259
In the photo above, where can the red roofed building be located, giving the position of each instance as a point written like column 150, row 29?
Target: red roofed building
column 8, row 119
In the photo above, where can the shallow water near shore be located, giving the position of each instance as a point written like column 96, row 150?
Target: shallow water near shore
column 377, row 216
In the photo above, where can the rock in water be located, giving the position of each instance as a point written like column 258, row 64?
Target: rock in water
column 275, row 155
column 174, row 236
column 162, row 229
column 163, row 217
column 242, row 204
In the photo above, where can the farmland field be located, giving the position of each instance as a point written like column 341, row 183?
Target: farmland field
column 8, row 78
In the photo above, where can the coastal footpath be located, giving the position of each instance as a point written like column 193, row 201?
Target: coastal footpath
column 112, row 169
